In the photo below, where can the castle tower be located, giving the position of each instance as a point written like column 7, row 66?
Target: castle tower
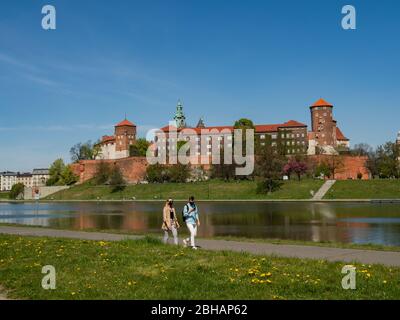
column 200, row 124
column 125, row 135
column 323, row 125
column 179, row 117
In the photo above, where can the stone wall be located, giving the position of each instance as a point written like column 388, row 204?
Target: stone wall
column 347, row 167
column 29, row 192
column 133, row 169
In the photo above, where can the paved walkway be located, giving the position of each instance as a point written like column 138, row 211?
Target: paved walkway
column 320, row 194
column 299, row 251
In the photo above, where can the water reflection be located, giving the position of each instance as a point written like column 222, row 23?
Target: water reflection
column 339, row 222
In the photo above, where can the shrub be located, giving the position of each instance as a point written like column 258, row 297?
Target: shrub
column 117, row 180
column 178, row 173
column 156, row 173
column 16, row 190
column 269, row 186
column 103, row 173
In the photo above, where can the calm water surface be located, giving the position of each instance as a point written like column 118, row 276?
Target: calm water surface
column 339, row 222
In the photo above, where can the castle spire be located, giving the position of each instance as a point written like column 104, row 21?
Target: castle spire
column 179, row 117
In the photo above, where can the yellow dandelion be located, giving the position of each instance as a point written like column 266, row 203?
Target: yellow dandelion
column 384, row 281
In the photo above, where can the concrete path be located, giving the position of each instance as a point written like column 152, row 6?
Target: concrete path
column 323, row 190
column 387, row 258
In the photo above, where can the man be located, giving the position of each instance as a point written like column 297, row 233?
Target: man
column 191, row 217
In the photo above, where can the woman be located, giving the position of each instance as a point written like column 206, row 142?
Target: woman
column 191, row 217
column 170, row 221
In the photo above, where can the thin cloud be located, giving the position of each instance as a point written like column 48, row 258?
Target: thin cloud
column 59, row 128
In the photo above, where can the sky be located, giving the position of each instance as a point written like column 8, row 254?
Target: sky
column 225, row 59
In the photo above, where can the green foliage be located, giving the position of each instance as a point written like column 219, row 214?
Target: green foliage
column 156, row 173
column 139, row 149
column 388, row 164
column 85, row 151
column 103, row 173
column 16, row 190
column 269, row 164
column 323, row 170
column 117, row 180
column 178, row 173
column 244, row 124
column 68, row 177
column 161, row 173
column 60, row 174
column 268, row 186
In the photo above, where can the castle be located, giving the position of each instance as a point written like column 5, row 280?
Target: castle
column 117, row 146
column 324, row 139
column 293, row 136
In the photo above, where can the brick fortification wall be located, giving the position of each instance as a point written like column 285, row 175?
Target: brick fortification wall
column 133, row 169
column 348, row 167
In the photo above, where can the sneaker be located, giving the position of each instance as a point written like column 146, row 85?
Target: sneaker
column 185, row 243
column 195, row 248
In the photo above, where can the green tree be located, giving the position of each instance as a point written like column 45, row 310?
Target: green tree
column 269, row 166
column 156, row 173
column 16, row 190
column 178, row 173
column 68, row 177
column 223, row 170
column 388, row 160
column 56, row 171
column 139, row 149
column 243, row 124
column 103, row 173
column 85, row 151
column 117, row 180
column 60, row 174
column 323, row 170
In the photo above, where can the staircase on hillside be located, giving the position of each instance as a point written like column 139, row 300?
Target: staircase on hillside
column 324, row 189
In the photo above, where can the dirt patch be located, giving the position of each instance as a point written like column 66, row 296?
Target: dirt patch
column 3, row 294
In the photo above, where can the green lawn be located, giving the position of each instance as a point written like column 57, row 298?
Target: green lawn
column 218, row 190
column 4, row 195
column 370, row 189
column 146, row 269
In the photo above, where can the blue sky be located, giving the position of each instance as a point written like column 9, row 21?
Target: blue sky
column 265, row 60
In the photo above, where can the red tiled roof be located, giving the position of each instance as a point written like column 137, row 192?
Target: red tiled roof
column 107, row 138
column 322, row 103
column 340, row 135
column 125, row 123
column 267, row 127
column 258, row 128
column 197, row 130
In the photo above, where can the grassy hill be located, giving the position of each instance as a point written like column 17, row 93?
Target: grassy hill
column 361, row 189
column 181, row 191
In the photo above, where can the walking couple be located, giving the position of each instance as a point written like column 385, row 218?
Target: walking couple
column 190, row 215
